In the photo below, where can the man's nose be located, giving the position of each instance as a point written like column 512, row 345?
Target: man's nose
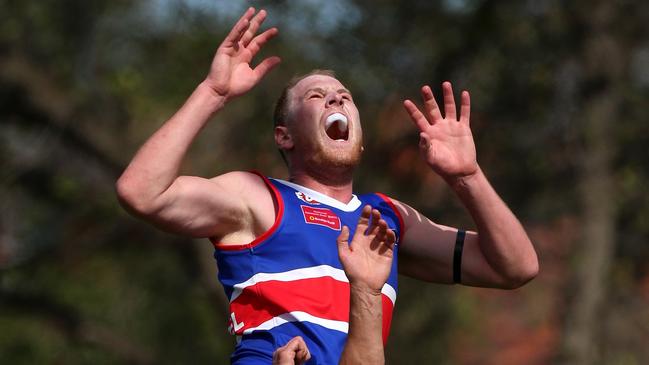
column 334, row 99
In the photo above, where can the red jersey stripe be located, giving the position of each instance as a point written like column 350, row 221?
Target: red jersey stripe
column 271, row 303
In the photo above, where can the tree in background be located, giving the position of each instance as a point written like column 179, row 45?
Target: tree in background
column 559, row 91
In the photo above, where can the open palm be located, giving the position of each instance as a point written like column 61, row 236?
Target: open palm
column 446, row 142
column 231, row 74
column 367, row 261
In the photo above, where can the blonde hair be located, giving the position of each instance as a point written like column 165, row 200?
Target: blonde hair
column 282, row 104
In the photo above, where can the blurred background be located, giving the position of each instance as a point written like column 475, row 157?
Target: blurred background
column 559, row 89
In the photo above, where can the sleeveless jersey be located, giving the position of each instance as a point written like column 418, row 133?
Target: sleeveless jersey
column 289, row 281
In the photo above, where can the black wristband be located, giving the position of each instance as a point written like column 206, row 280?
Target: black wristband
column 457, row 257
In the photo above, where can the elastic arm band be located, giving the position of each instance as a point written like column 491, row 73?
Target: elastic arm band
column 457, row 257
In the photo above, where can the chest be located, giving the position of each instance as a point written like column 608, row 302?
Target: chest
column 308, row 230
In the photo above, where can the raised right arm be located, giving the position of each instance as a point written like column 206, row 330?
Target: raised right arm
column 150, row 186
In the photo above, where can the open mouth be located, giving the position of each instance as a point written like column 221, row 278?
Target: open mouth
column 337, row 127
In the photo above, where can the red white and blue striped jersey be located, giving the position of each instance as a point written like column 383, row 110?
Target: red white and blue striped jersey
column 289, row 281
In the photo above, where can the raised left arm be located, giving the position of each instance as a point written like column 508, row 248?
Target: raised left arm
column 500, row 254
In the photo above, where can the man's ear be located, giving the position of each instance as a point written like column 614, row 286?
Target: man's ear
column 283, row 138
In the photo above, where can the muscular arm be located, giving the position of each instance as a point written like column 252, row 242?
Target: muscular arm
column 501, row 241
column 500, row 254
column 150, row 186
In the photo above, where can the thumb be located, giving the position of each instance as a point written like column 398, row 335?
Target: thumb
column 343, row 241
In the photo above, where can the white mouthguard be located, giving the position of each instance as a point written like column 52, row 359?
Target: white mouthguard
column 337, row 117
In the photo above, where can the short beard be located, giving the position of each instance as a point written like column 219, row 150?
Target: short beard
column 336, row 159
column 333, row 167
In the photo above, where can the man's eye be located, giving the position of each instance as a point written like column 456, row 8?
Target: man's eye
column 315, row 96
column 347, row 97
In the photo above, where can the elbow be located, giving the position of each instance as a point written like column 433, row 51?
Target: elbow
column 523, row 275
column 132, row 198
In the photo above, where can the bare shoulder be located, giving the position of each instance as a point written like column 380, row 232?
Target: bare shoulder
column 248, row 187
column 411, row 217
column 419, row 227
column 240, row 181
column 427, row 249
column 251, row 190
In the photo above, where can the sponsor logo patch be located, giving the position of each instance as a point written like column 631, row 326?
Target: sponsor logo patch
column 321, row 217
column 305, row 198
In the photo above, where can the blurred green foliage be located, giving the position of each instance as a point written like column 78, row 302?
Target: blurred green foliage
column 83, row 84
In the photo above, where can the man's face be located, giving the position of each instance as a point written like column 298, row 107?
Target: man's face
column 324, row 123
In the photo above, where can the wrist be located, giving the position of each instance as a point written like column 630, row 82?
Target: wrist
column 213, row 99
column 364, row 289
column 463, row 183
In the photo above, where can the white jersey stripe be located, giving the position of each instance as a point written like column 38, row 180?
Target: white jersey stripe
column 299, row 317
column 291, row 275
column 389, row 292
column 304, row 273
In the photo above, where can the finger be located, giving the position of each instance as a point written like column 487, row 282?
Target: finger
column 430, row 104
column 383, row 225
column 255, row 45
column 416, row 115
column 288, row 354
column 379, row 234
column 343, row 241
column 260, row 40
column 365, row 218
column 465, row 107
column 388, row 243
column 344, row 247
column 302, row 353
column 239, row 28
column 449, row 101
column 283, row 356
column 294, row 341
column 391, row 238
column 382, row 229
column 298, row 347
column 255, row 23
column 363, row 222
column 266, row 66
column 373, row 229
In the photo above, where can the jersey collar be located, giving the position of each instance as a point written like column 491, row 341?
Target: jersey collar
column 353, row 204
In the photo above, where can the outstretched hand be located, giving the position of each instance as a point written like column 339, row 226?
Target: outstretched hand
column 368, row 259
column 231, row 74
column 446, row 142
